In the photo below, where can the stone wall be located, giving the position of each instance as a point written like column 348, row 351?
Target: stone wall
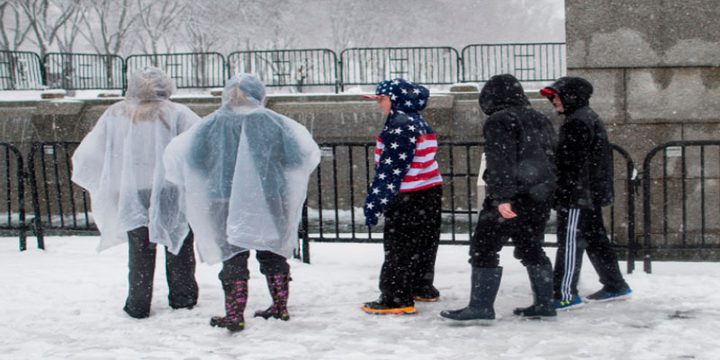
column 655, row 65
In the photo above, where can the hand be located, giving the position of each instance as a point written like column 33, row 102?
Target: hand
column 505, row 210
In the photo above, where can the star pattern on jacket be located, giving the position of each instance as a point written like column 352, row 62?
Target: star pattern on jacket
column 398, row 140
column 394, row 162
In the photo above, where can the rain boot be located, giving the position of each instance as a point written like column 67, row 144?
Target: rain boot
column 541, row 282
column 485, row 283
column 236, row 293
column 279, row 286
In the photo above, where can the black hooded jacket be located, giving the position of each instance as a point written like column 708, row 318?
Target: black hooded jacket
column 584, row 155
column 519, row 144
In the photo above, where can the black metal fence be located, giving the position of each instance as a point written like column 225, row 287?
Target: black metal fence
column 189, row 70
column 20, row 70
column 294, row 68
column 60, row 206
column 425, row 65
column 339, row 185
column 71, row 71
column 685, row 217
column 527, row 62
column 680, row 189
column 298, row 69
column 12, row 185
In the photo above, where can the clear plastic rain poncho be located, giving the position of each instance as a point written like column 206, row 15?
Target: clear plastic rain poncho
column 120, row 161
column 244, row 170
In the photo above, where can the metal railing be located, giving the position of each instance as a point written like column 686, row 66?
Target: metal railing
column 298, row 69
column 13, row 187
column 71, row 71
column 527, row 62
column 424, row 65
column 681, row 199
column 339, row 185
column 189, row 70
column 20, row 70
column 60, row 206
column 287, row 68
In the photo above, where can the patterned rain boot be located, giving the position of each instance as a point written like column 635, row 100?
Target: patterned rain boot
column 236, row 294
column 279, row 286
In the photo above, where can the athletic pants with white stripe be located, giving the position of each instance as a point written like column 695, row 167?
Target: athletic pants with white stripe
column 579, row 230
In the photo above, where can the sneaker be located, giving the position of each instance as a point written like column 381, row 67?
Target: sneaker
column 427, row 294
column 380, row 308
column 574, row 303
column 604, row 295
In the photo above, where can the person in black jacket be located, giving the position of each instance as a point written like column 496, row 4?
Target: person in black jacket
column 520, row 176
column 585, row 185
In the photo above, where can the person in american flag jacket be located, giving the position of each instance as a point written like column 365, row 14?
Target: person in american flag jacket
column 407, row 190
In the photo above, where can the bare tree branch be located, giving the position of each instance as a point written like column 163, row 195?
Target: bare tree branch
column 13, row 31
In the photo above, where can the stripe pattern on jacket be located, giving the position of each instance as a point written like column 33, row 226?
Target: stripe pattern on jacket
column 404, row 161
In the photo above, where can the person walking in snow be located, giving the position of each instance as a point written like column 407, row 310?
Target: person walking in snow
column 585, row 186
column 243, row 172
column 120, row 164
column 407, row 190
column 520, row 178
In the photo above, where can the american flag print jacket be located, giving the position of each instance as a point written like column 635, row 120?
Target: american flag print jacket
column 404, row 151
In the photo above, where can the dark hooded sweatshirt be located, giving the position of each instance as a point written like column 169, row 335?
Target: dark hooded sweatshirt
column 519, row 144
column 584, row 157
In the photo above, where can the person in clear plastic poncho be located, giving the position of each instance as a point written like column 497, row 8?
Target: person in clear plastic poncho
column 120, row 163
column 244, row 170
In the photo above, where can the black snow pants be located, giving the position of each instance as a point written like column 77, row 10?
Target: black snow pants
column 410, row 240
column 236, row 268
column 580, row 230
column 527, row 232
column 180, row 271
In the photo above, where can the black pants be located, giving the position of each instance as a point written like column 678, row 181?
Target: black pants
column 236, row 268
column 180, row 270
column 527, row 232
column 578, row 230
column 410, row 239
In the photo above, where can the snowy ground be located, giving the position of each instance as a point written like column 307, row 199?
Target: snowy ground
column 65, row 303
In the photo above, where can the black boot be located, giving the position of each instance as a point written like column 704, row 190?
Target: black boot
column 141, row 265
column 485, row 283
column 541, row 282
column 279, row 286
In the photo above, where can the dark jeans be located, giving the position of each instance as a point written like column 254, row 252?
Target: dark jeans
column 180, row 270
column 236, row 268
column 527, row 232
column 410, row 240
column 580, row 230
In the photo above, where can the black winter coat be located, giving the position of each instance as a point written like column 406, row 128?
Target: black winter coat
column 584, row 155
column 519, row 144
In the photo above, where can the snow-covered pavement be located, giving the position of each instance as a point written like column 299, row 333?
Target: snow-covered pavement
column 66, row 303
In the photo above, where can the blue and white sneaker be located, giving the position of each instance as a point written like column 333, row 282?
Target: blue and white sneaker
column 604, row 295
column 575, row 303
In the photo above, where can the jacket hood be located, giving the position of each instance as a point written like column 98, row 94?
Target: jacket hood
column 574, row 92
column 149, row 84
column 243, row 90
column 404, row 95
column 501, row 92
